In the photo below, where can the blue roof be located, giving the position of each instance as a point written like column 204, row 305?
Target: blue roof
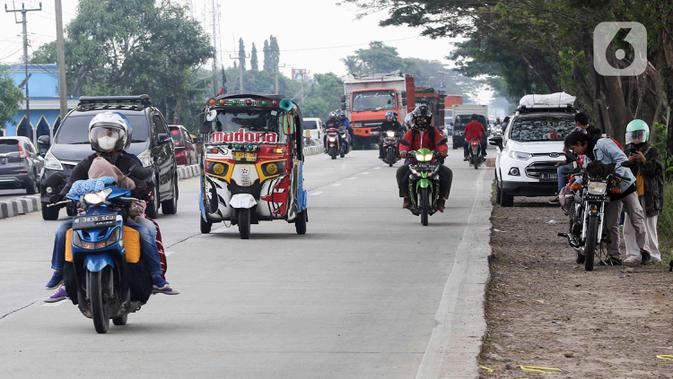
column 43, row 83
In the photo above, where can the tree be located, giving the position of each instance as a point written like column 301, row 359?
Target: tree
column 241, row 54
column 274, row 54
column 323, row 95
column 254, row 65
column 45, row 54
column 10, row 97
column 267, row 57
column 377, row 59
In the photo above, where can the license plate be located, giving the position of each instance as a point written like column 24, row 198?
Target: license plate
column 548, row 177
column 245, row 156
column 97, row 221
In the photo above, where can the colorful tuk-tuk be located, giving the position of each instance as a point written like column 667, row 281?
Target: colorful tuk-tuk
column 252, row 163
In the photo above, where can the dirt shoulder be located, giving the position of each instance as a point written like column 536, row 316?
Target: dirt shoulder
column 544, row 310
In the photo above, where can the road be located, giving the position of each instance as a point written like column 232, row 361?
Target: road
column 367, row 292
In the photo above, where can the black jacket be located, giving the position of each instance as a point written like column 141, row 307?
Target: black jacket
column 652, row 171
column 391, row 125
column 125, row 162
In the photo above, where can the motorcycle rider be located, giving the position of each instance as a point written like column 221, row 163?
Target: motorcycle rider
column 605, row 150
column 563, row 169
column 390, row 123
column 649, row 172
column 474, row 130
column 424, row 135
column 337, row 120
column 109, row 135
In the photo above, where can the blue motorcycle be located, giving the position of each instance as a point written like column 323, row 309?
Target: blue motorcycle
column 104, row 274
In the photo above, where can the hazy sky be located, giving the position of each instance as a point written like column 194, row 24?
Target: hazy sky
column 312, row 34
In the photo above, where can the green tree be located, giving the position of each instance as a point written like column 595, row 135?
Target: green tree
column 241, row 53
column 323, row 95
column 274, row 54
column 10, row 97
column 45, row 54
column 377, row 58
column 254, row 63
column 267, row 57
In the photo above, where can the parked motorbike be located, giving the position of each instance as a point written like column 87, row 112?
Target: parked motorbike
column 104, row 274
column 424, row 183
column 476, row 157
column 391, row 148
column 585, row 207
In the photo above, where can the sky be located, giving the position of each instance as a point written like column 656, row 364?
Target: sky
column 312, row 34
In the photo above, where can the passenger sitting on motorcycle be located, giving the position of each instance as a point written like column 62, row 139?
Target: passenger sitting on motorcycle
column 424, row 135
column 109, row 134
column 474, row 130
column 335, row 121
column 606, row 151
column 390, row 123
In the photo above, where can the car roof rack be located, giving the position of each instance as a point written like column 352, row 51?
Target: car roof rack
column 136, row 103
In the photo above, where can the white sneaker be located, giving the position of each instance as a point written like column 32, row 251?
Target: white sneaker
column 631, row 261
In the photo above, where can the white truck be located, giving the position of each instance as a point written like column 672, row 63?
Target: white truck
column 462, row 114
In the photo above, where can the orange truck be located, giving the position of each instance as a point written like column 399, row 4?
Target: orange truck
column 368, row 98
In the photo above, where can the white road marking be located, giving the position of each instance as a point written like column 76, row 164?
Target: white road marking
column 55, row 304
column 336, row 184
column 365, row 173
column 377, row 168
column 315, row 193
column 353, row 178
column 169, row 253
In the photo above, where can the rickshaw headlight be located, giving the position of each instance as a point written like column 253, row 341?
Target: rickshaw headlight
column 273, row 168
column 217, row 168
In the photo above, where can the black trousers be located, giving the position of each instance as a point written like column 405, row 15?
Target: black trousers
column 445, row 180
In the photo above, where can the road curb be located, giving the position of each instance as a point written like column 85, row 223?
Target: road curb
column 313, row 150
column 186, row 172
column 19, row 206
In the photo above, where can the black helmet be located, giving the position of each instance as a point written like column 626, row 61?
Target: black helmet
column 422, row 116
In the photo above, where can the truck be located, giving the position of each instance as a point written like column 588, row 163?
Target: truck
column 449, row 102
column 368, row 98
column 461, row 115
column 434, row 99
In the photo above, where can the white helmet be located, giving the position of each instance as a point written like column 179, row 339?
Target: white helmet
column 108, row 132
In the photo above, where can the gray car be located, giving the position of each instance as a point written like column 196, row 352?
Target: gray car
column 20, row 164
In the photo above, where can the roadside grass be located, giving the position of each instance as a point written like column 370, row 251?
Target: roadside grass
column 665, row 225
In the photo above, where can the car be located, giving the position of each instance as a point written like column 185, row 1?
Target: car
column 151, row 143
column 20, row 164
column 532, row 146
column 314, row 128
column 185, row 148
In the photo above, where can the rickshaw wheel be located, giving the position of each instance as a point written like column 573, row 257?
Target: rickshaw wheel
column 300, row 222
column 244, row 223
column 205, row 226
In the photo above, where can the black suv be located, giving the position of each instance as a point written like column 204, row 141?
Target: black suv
column 151, row 143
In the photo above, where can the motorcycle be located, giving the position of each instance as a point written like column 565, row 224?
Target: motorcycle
column 476, row 157
column 585, row 207
column 424, row 183
column 333, row 143
column 391, row 150
column 104, row 274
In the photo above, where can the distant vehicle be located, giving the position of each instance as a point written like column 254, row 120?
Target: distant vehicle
column 185, row 148
column 462, row 115
column 434, row 99
column 531, row 146
column 151, row 143
column 368, row 98
column 20, row 164
column 314, row 129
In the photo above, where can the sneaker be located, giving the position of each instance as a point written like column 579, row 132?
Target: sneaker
column 165, row 289
column 440, row 204
column 580, row 258
column 406, row 203
column 55, row 281
column 632, row 261
column 648, row 259
column 555, row 201
column 57, row 296
column 611, row 261
column 466, row 159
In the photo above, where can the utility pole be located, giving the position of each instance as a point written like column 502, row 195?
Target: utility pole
column 215, row 10
column 276, row 79
column 240, row 71
column 24, row 11
column 60, row 57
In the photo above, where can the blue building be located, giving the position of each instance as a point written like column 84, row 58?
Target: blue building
column 44, row 103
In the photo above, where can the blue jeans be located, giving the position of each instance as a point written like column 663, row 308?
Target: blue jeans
column 562, row 173
column 148, row 244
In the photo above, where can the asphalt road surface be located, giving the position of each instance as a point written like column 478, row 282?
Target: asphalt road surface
column 367, row 292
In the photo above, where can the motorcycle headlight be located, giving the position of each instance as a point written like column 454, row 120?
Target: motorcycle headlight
column 520, row 155
column 146, row 158
column 597, row 188
column 95, row 198
column 390, row 133
column 424, row 157
column 52, row 163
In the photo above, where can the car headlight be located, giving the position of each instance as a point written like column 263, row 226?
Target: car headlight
column 597, row 188
column 146, row 158
column 390, row 133
column 520, row 155
column 52, row 163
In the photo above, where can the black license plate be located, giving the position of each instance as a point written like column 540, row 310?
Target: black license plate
column 548, row 177
column 97, row 221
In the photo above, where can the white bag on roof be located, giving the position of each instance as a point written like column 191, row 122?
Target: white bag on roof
column 552, row 100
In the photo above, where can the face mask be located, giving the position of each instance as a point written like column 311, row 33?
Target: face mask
column 107, row 143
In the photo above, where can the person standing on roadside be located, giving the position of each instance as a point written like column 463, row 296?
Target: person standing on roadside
column 649, row 172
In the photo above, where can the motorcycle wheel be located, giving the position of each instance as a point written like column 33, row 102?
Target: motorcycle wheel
column 390, row 157
column 300, row 222
column 244, row 223
column 205, row 226
column 425, row 206
column 101, row 322
column 590, row 244
column 120, row 321
column 475, row 161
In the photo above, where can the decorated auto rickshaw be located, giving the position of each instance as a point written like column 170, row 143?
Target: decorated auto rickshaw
column 252, row 163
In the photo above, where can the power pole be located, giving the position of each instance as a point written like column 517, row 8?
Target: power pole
column 215, row 10
column 276, row 79
column 24, row 11
column 60, row 57
column 240, row 71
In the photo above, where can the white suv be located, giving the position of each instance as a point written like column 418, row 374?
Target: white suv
column 529, row 151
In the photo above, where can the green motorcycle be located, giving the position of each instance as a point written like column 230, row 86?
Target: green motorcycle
column 424, row 167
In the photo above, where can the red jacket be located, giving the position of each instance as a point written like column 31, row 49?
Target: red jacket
column 417, row 140
column 474, row 130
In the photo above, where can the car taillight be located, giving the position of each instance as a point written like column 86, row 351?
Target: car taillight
column 22, row 153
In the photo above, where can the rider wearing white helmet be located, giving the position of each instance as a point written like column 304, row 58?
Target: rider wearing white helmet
column 109, row 134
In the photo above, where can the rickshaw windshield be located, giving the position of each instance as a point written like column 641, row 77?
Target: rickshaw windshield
column 251, row 120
